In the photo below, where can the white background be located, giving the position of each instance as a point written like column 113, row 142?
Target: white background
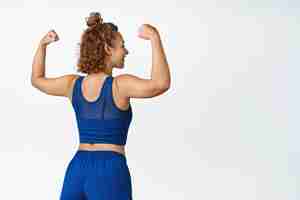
column 227, row 128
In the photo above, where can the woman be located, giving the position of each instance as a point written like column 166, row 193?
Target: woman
column 102, row 106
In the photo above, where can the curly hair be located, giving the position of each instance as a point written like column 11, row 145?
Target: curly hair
column 93, row 39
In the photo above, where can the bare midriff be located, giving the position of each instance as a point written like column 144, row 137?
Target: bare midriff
column 102, row 146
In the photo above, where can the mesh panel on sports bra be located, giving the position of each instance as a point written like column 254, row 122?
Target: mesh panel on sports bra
column 100, row 120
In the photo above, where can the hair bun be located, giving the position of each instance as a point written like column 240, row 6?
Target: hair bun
column 94, row 19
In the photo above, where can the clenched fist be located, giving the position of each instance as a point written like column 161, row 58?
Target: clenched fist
column 147, row 32
column 50, row 37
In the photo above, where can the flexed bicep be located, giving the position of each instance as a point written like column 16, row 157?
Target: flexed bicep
column 131, row 86
column 58, row 86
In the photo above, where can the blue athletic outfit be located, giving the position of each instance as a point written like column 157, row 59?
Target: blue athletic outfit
column 101, row 174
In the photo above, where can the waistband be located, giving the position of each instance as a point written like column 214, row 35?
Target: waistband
column 100, row 153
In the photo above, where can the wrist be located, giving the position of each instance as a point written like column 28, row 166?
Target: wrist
column 43, row 45
column 155, row 37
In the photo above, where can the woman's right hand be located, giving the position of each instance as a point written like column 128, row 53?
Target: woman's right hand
column 147, row 32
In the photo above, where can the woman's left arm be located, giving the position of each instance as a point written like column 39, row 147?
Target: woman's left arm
column 58, row 86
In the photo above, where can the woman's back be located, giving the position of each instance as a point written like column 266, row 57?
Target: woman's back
column 99, row 119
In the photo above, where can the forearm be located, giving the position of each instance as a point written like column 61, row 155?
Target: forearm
column 160, row 68
column 38, row 65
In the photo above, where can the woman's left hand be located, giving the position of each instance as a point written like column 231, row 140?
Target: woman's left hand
column 50, row 37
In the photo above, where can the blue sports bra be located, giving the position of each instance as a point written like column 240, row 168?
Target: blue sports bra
column 100, row 121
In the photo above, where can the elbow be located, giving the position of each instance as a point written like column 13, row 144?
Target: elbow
column 165, row 86
column 33, row 81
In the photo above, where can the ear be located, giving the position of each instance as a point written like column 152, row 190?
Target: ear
column 107, row 49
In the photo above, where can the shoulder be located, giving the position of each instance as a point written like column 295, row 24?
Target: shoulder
column 117, row 83
column 71, row 79
column 124, row 77
column 121, row 80
column 68, row 79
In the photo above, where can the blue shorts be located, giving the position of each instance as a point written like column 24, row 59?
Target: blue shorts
column 97, row 175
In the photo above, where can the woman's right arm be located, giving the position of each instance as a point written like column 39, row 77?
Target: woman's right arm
column 131, row 86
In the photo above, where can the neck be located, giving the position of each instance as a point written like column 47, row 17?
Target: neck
column 108, row 70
